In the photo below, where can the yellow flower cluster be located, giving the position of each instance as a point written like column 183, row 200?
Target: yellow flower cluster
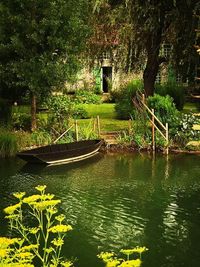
column 106, row 256
column 131, row 263
column 30, row 247
column 11, row 209
column 45, row 204
column 3, row 252
column 134, row 250
column 25, row 254
column 6, row 242
column 60, row 217
column 40, row 188
column 31, row 199
column 66, row 263
column 113, row 263
column 19, row 195
column 57, row 242
column 34, row 230
column 60, row 228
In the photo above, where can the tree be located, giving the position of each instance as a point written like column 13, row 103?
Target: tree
column 143, row 25
column 39, row 44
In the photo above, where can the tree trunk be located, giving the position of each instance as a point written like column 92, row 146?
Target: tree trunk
column 150, row 74
column 33, row 113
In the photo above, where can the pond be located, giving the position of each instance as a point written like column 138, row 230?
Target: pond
column 120, row 201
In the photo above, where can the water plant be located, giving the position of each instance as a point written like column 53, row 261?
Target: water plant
column 40, row 243
column 111, row 260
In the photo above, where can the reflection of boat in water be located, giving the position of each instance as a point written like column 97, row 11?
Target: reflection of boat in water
column 62, row 153
column 30, row 168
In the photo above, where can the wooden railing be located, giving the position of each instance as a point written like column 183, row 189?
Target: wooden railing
column 163, row 130
column 96, row 125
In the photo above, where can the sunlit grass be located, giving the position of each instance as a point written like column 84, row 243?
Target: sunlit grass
column 107, row 116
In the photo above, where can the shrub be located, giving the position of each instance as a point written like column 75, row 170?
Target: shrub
column 41, row 137
column 174, row 90
column 182, row 130
column 8, row 143
column 21, row 121
column 164, row 107
column 79, row 113
column 86, row 97
column 123, row 98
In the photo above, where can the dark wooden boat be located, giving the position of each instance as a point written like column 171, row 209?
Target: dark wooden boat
column 62, row 153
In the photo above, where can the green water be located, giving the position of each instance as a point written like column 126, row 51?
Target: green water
column 120, row 201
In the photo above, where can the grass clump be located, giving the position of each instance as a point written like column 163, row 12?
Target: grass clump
column 8, row 143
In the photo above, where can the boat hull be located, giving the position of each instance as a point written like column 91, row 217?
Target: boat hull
column 62, row 153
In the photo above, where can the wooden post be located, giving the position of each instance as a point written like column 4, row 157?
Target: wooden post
column 143, row 98
column 153, row 130
column 167, row 139
column 98, row 126
column 76, row 129
column 129, row 126
column 94, row 125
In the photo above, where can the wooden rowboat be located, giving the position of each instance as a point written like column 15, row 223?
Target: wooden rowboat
column 62, row 153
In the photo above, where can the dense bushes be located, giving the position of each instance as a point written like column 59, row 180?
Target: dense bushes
column 174, row 90
column 164, row 107
column 86, row 97
column 123, row 98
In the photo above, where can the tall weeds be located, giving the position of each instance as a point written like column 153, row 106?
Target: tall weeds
column 8, row 143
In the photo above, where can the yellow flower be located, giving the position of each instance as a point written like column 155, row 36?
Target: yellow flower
column 52, row 210
column 6, row 242
column 45, row 204
column 140, row 249
column 61, row 228
column 60, row 217
column 3, row 252
column 106, row 256
column 40, row 188
column 66, row 263
column 57, row 242
column 134, row 250
column 34, row 230
column 31, row 199
column 25, row 255
column 113, row 263
column 19, row 195
column 47, row 196
column 30, row 247
column 12, row 216
column 131, row 263
column 11, row 209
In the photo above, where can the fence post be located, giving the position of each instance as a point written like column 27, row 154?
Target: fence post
column 167, row 138
column 98, row 126
column 143, row 98
column 94, row 125
column 153, row 131
column 129, row 126
column 76, row 129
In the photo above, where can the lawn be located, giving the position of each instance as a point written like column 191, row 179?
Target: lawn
column 107, row 115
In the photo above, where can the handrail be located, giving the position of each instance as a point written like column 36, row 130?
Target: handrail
column 154, row 126
column 62, row 134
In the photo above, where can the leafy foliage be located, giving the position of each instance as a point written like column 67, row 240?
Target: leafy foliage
column 164, row 107
column 40, row 43
column 174, row 90
column 123, row 98
column 86, row 97
column 182, row 129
